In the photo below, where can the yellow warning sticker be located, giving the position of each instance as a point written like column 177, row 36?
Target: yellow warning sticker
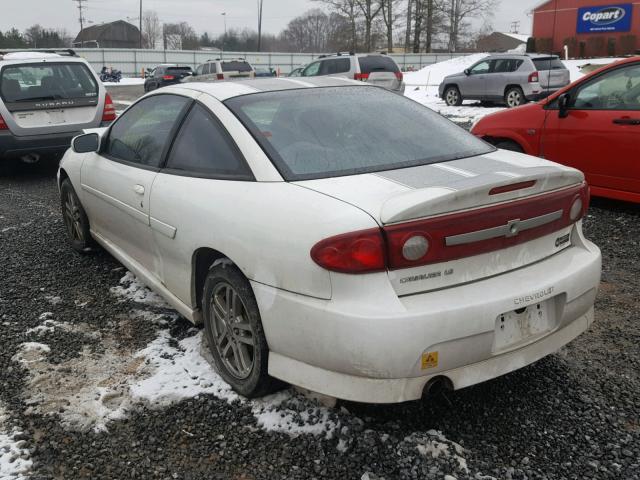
column 429, row 360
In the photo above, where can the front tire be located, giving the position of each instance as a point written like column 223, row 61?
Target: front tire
column 75, row 219
column 234, row 332
column 509, row 145
column 514, row 97
column 452, row 97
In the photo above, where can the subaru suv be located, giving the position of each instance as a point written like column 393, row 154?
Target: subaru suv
column 373, row 68
column 46, row 99
column 512, row 79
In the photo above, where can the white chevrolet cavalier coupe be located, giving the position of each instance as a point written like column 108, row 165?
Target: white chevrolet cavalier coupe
column 337, row 236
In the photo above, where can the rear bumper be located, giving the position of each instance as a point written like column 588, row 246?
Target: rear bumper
column 12, row 146
column 361, row 346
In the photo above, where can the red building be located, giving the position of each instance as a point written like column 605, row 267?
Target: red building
column 590, row 28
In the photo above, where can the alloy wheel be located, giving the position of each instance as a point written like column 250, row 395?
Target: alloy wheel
column 232, row 331
column 514, row 98
column 72, row 217
column 452, row 97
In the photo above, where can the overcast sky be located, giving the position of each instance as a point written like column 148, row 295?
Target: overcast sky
column 203, row 15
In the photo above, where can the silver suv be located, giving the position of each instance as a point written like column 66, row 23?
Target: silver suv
column 218, row 69
column 46, row 99
column 512, row 79
column 374, row 68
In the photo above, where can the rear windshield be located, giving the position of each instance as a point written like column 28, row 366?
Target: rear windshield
column 235, row 66
column 179, row 69
column 47, row 81
column 329, row 132
column 551, row 63
column 377, row 63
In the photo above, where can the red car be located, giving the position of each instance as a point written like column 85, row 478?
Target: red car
column 592, row 125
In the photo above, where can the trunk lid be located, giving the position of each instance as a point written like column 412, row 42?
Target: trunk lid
column 495, row 184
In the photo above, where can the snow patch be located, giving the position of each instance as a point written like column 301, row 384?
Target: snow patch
column 14, row 458
column 31, row 352
column 131, row 288
column 434, row 444
column 53, row 300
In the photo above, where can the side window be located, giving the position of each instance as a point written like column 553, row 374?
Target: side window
column 615, row 90
column 142, row 134
column 207, row 68
column 480, row 68
column 333, row 66
column 503, row 65
column 312, row 70
column 203, row 146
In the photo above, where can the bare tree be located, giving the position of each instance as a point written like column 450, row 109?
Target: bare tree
column 389, row 18
column 308, row 32
column 179, row 36
column 460, row 11
column 348, row 9
column 151, row 29
column 407, row 35
column 370, row 10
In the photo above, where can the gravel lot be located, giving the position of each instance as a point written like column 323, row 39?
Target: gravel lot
column 82, row 394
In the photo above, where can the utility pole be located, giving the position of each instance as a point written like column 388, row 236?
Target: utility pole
column 140, row 24
column 81, row 19
column 515, row 26
column 260, row 24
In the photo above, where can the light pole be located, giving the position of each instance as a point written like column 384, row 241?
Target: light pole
column 224, row 39
column 259, row 24
column 140, row 24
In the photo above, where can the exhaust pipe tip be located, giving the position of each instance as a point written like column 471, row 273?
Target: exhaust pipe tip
column 436, row 386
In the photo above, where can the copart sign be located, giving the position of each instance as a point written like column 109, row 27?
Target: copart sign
column 605, row 18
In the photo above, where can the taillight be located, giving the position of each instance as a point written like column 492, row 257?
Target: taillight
column 3, row 124
column 399, row 75
column 109, row 112
column 453, row 236
column 168, row 77
column 534, row 77
column 357, row 252
column 220, row 76
column 361, row 76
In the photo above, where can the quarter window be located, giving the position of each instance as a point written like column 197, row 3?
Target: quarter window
column 141, row 135
column 615, row 90
column 204, row 147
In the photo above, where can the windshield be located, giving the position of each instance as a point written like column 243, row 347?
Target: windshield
column 47, row 81
column 328, row 132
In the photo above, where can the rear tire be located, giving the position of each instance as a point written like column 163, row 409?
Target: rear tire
column 509, row 145
column 234, row 332
column 452, row 97
column 75, row 219
column 514, row 97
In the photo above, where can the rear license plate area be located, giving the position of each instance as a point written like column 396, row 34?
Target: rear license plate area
column 56, row 117
column 524, row 325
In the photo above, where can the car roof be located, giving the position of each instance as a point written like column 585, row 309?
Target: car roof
column 235, row 88
column 50, row 58
column 523, row 55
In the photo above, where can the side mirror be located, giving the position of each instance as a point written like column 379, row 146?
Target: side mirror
column 467, row 72
column 563, row 105
column 89, row 142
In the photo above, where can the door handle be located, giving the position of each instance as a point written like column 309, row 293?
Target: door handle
column 627, row 121
column 139, row 189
